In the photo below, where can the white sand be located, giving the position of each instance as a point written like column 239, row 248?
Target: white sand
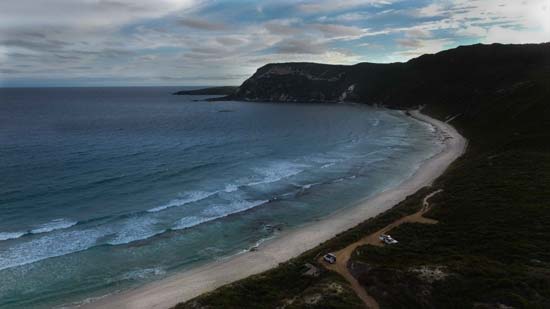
column 183, row 286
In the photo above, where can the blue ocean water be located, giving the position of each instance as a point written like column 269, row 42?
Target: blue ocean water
column 102, row 189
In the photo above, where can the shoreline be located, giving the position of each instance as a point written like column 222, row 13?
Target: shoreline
column 190, row 283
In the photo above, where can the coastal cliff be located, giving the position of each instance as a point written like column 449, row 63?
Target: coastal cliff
column 456, row 78
column 297, row 82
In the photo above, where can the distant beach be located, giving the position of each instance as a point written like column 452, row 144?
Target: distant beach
column 191, row 283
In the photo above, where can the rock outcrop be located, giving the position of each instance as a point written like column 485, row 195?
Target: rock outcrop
column 295, row 82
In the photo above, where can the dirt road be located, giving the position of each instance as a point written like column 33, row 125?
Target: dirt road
column 343, row 256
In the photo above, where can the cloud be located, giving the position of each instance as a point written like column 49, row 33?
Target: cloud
column 231, row 41
column 410, row 43
column 418, row 33
column 498, row 34
column 415, row 47
column 61, row 37
column 82, row 14
column 39, row 44
column 283, row 26
column 347, row 17
column 230, row 77
column 431, row 10
column 201, row 24
column 177, row 41
column 472, row 31
column 300, row 46
column 339, row 31
column 419, row 40
column 323, row 6
column 475, row 18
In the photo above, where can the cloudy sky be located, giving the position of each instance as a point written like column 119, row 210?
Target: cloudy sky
column 209, row 42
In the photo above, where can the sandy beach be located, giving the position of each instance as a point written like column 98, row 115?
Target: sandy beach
column 191, row 283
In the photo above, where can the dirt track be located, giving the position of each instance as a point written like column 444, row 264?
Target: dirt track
column 343, row 255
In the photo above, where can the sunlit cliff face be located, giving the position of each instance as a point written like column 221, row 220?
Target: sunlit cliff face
column 208, row 42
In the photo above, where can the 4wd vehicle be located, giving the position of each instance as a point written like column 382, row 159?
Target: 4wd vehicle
column 387, row 239
column 329, row 258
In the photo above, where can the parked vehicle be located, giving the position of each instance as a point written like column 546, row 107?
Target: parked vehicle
column 329, row 258
column 387, row 239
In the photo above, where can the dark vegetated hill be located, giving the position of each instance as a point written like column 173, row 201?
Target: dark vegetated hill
column 492, row 240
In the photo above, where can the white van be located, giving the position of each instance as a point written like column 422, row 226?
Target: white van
column 387, row 239
column 329, row 258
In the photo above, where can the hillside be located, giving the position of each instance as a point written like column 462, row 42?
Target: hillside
column 491, row 242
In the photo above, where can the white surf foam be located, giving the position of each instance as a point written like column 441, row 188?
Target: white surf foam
column 142, row 273
column 132, row 229
column 191, row 197
column 187, row 222
column 59, row 243
column 47, row 246
column 135, row 228
column 11, row 235
column 328, row 165
column 277, row 171
column 309, row 185
column 231, row 188
column 56, row 224
column 216, row 212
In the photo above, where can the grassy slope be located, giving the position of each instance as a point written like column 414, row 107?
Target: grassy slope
column 494, row 216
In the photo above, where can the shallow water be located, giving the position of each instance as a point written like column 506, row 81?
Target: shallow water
column 106, row 188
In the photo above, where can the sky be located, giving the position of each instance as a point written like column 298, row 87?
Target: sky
column 210, row 42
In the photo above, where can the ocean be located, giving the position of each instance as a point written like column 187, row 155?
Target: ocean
column 104, row 189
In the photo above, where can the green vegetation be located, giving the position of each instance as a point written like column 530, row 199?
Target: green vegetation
column 494, row 213
column 491, row 240
column 491, row 246
column 284, row 287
